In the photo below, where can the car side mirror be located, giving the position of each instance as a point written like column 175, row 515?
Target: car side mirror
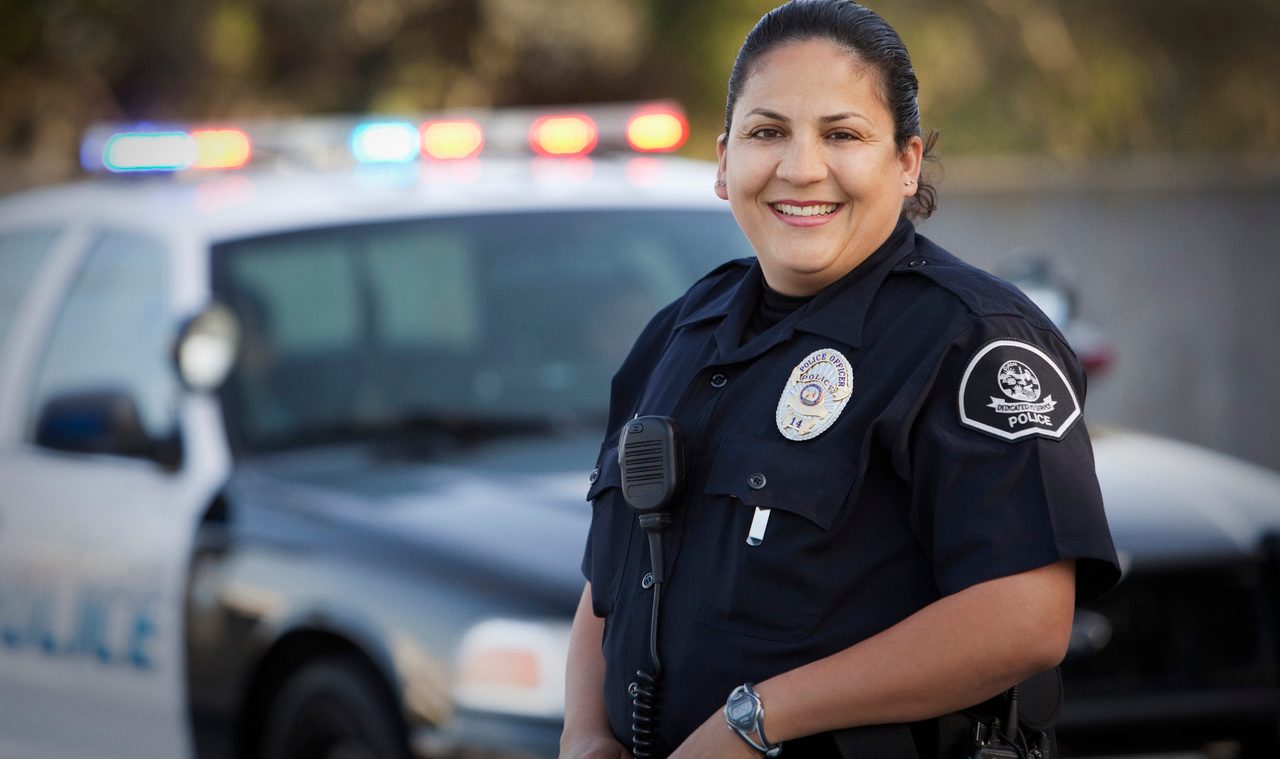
column 105, row 421
column 206, row 349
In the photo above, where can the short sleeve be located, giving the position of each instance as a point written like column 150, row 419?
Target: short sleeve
column 1002, row 467
column 585, row 566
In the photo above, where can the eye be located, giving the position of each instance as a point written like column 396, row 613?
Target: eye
column 843, row 136
column 765, row 133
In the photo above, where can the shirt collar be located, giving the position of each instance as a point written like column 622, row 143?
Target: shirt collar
column 840, row 310
column 841, row 321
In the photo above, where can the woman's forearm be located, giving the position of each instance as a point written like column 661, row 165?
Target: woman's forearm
column 584, row 676
column 952, row 654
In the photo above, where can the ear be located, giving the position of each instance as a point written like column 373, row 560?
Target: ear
column 721, row 189
column 911, row 159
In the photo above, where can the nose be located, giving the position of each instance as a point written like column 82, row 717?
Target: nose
column 803, row 163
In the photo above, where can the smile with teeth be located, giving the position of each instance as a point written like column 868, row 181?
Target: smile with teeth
column 815, row 209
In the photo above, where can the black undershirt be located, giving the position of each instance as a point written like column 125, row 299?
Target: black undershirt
column 771, row 308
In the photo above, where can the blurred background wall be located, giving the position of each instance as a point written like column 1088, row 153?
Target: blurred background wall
column 1135, row 144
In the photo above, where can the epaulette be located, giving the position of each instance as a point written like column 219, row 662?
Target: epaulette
column 981, row 292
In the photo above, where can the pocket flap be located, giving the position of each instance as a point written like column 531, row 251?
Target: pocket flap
column 781, row 475
column 607, row 474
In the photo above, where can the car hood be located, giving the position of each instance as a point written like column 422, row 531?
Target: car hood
column 511, row 513
column 1171, row 502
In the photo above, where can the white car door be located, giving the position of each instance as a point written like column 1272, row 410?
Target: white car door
column 94, row 546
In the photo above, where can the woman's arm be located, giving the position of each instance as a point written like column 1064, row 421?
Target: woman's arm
column 586, row 728
column 954, row 653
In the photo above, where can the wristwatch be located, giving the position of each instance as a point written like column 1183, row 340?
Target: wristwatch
column 745, row 713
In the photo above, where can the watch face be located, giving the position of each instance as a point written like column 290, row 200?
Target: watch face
column 741, row 709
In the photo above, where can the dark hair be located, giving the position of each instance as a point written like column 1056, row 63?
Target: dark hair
column 873, row 41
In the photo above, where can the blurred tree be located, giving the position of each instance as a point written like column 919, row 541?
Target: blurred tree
column 1084, row 78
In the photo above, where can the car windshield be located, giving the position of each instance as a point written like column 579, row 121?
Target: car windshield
column 471, row 326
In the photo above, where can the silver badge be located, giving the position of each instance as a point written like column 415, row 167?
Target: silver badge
column 815, row 394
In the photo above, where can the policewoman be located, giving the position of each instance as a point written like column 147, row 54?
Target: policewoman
column 889, row 505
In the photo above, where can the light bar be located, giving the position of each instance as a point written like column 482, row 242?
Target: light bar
column 446, row 140
column 568, row 135
column 385, row 142
column 331, row 141
column 657, row 131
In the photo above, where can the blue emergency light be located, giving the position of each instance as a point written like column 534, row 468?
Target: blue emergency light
column 385, row 142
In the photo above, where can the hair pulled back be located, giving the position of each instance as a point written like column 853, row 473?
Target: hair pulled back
column 868, row 37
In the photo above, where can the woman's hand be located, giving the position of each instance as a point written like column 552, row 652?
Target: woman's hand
column 714, row 738
column 593, row 747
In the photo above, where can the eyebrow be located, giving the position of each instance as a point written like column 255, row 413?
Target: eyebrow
column 768, row 114
column 842, row 116
column 833, row 118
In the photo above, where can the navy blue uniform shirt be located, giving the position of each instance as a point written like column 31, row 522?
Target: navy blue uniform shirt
column 912, row 430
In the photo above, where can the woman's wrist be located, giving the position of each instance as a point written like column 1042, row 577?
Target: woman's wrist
column 745, row 713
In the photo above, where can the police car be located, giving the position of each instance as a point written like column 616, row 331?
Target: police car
column 294, row 459
column 295, row 424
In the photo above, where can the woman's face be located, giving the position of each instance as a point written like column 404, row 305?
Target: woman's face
column 810, row 165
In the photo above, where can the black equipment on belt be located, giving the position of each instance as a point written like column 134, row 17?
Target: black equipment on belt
column 651, row 457
column 1026, row 732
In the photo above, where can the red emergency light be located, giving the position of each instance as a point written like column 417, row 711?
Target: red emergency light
column 221, row 148
column 451, row 140
column 563, row 135
column 657, row 131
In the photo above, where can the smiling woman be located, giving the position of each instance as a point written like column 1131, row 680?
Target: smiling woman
column 816, row 180
column 869, row 544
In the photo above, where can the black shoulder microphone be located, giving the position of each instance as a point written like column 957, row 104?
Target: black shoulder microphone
column 651, row 457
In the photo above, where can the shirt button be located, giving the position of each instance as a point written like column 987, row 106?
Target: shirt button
column 595, row 475
column 756, row 481
column 916, row 262
column 646, row 582
column 718, row 380
column 633, row 690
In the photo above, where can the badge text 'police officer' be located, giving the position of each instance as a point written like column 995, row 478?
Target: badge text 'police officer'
column 1013, row 390
column 815, row 394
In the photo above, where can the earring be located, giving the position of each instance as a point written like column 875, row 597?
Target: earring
column 720, row 183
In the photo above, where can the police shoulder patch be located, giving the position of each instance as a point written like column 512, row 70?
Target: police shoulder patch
column 1012, row 390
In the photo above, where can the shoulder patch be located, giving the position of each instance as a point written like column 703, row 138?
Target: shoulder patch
column 1013, row 390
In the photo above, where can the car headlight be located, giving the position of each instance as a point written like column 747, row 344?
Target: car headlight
column 514, row 667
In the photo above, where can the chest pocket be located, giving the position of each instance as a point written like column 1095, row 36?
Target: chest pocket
column 611, row 528
column 781, row 587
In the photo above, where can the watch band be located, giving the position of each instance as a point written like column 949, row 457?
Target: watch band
column 744, row 712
